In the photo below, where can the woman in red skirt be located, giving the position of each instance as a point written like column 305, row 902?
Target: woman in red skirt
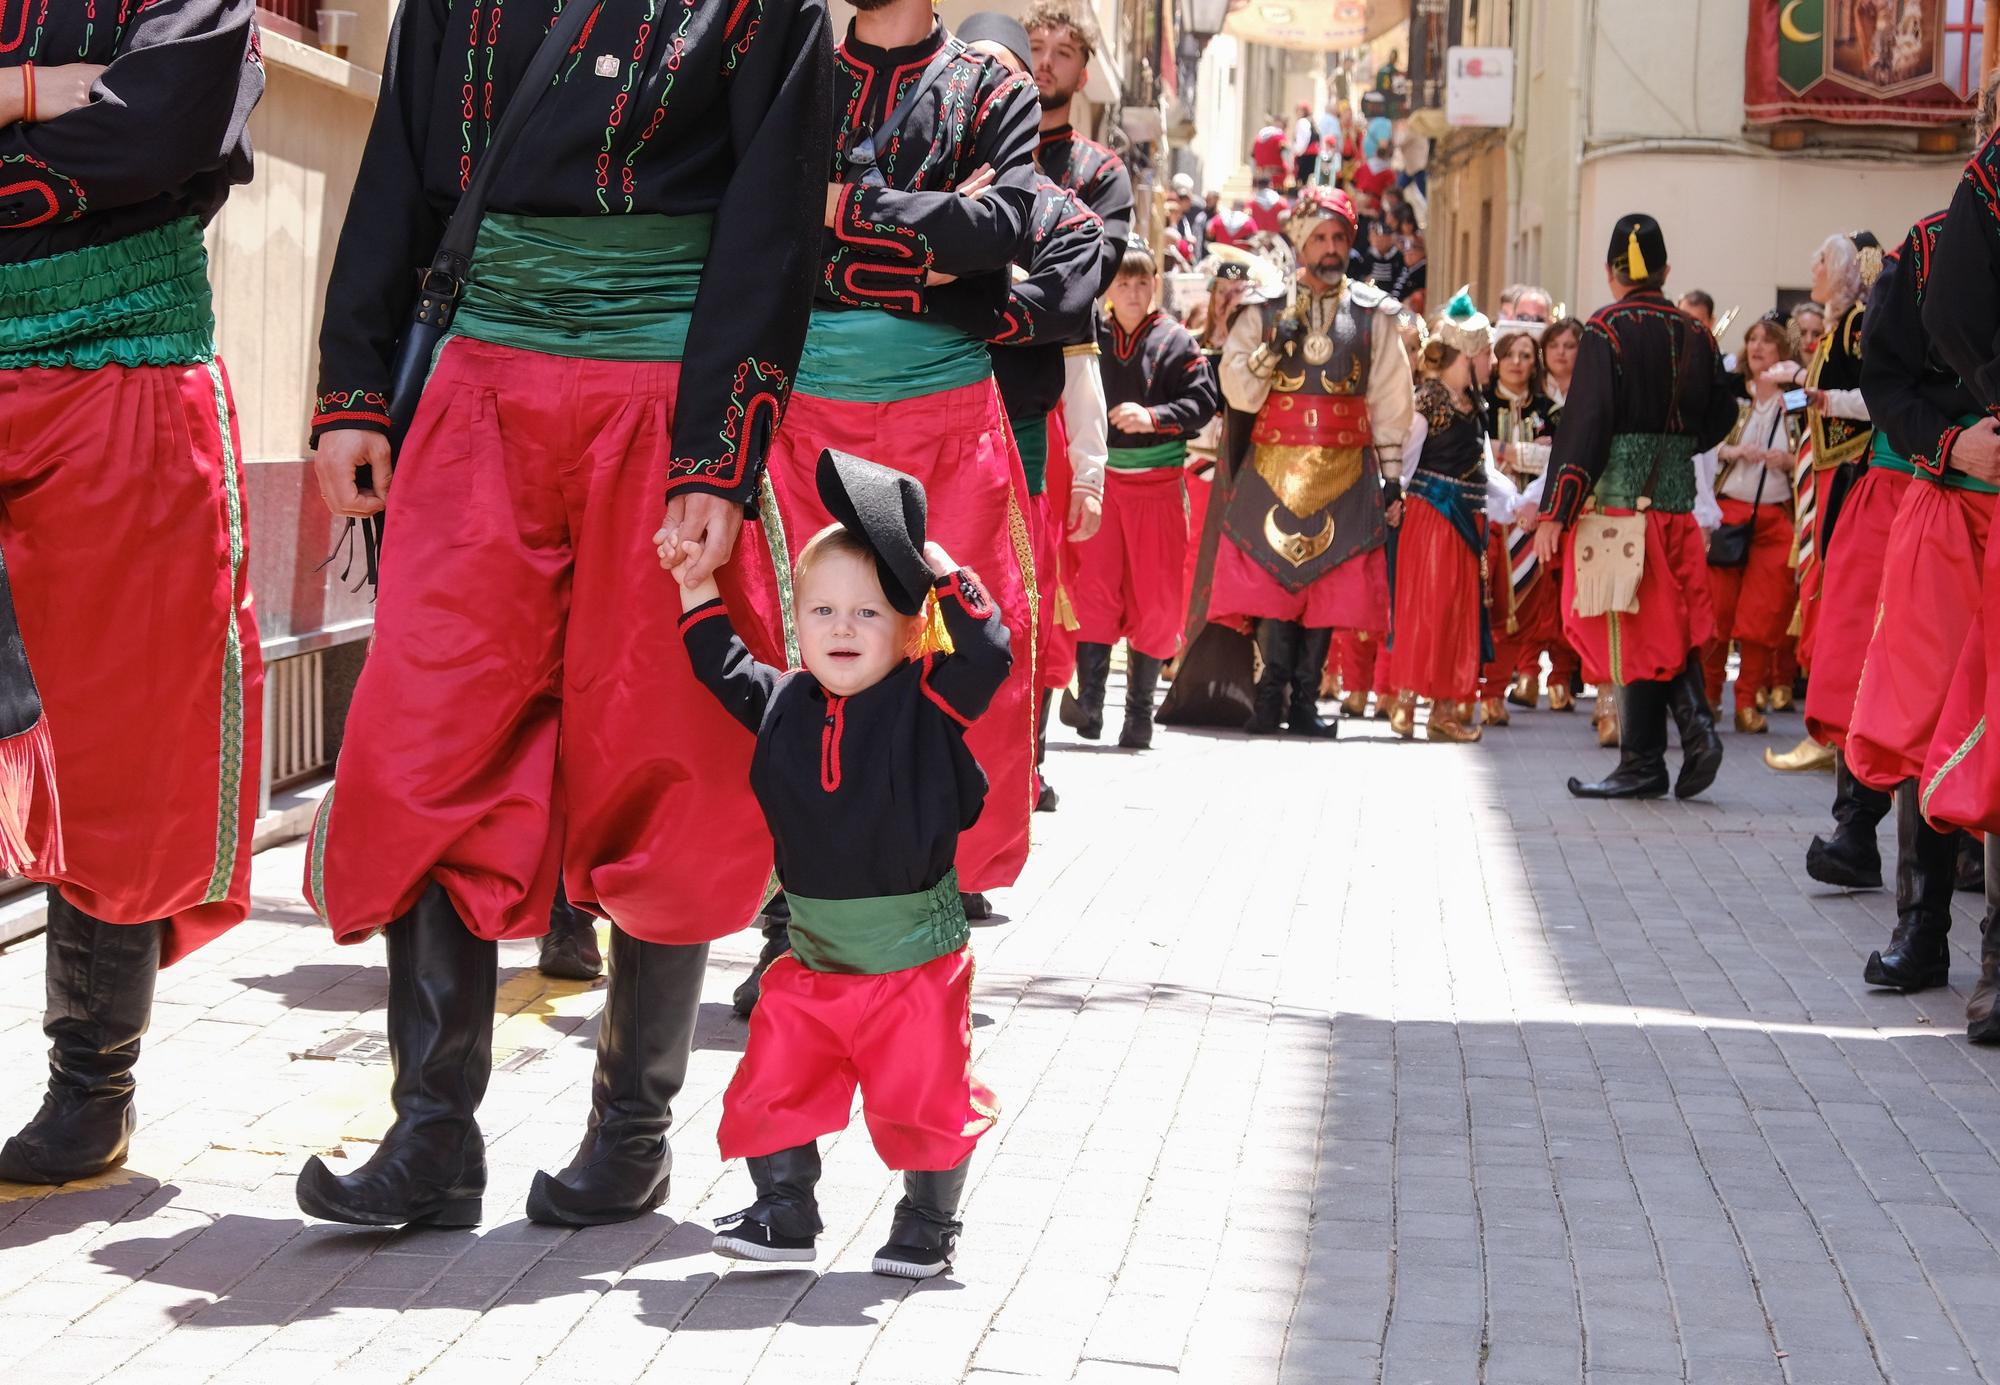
column 1441, row 636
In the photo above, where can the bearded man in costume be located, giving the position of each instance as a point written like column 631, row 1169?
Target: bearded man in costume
column 122, row 131
column 1327, row 378
column 1648, row 394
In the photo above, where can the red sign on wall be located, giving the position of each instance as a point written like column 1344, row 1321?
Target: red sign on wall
column 1863, row 62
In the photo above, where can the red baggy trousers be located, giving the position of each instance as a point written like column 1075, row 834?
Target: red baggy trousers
column 122, row 515
column 1850, row 589
column 957, row 443
column 904, row 1037
column 1132, row 582
column 527, row 704
column 1055, row 564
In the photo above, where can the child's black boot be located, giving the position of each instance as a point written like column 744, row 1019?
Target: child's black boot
column 925, row 1232
column 782, row 1222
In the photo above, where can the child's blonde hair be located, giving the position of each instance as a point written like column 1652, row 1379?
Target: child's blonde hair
column 836, row 538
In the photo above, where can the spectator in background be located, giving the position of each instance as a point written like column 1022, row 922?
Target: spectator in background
column 1413, row 278
column 1332, row 140
column 1374, row 175
column 1808, row 325
column 1699, row 304
column 1510, row 301
column 1267, row 207
column 1532, row 304
column 1559, row 346
column 1231, row 227
column 1378, row 258
column 1267, row 153
column 1413, row 153
column 1190, row 217
column 1305, row 145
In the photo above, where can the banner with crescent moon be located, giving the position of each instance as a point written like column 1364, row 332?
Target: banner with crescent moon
column 1863, row 62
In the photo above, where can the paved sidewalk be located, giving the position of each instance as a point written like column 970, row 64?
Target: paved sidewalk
column 1320, row 1063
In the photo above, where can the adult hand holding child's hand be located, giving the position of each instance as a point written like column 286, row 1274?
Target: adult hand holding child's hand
column 939, row 560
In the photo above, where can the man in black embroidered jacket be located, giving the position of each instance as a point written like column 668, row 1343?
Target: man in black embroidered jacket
column 526, row 709
column 122, row 129
column 1648, row 394
column 918, row 242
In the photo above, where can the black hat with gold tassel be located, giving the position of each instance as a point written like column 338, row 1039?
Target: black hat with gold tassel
column 1638, row 247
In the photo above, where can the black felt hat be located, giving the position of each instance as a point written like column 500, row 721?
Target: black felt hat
column 999, row 28
column 1638, row 246
column 885, row 510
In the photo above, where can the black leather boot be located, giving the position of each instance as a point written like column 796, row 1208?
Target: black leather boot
column 431, row 1167
column 776, row 924
column 1046, row 797
column 1982, row 1012
column 1083, row 713
column 1142, row 681
column 784, row 1220
column 569, row 948
column 1850, row 860
column 1970, row 875
column 644, row 1039
column 1302, row 718
column 99, row 982
column 1642, row 747
column 1701, row 747
column 1918, row 956
column 1277, row 653
column 925, row 1232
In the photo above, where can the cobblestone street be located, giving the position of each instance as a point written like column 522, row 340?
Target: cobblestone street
column 1318, row 1063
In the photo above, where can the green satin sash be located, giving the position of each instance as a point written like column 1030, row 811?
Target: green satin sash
column 1031, row 437
column 601, row 288
column 1889, row 459
column 1149, row 458
column 869, row 937
column 140, row 301
column 1658, row 465
column 874, row 357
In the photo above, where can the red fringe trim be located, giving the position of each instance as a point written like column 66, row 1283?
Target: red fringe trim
column 27, row 764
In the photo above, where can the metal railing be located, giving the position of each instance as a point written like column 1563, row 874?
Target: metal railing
column 297, row 18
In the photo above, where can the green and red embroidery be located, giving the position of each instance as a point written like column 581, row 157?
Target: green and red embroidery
column 351, row 406
column 756, row 405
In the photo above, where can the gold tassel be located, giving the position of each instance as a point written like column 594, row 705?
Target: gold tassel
column 935, row 639
column 1065, row 612
column 1635, row 260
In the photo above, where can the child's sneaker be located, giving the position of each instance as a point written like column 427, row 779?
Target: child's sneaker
column 917, row 1261
column 748, row 1238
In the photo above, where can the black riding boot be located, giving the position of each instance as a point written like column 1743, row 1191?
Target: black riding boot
column 643, row 1042
column 99, row 978
column 1302, row 717
column 1701, row 748
column 569, row 948
column 1277, row 654
column 1142, row 680
column 1982, row 1012
column 782, row 1223
column 776, row 925
column 1046, row 799
column 1084, row 712
column 1919, row 952
column 431, row 1167
column 1970, row 875
column 1850, row 860
column 1642, row 746
column 925, row 1232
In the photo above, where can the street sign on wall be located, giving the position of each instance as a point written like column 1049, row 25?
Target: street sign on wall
column 1479, row 87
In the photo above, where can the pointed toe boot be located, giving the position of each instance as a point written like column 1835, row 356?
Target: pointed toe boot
column 1642, row 747
column 1277, row 651
column 430, row 1169
column 569, row 950
column 1083, row 712
column 1302, row 717
column 1850, row 859
column 1701, row 747
column 1142, row 681
column 623, row 1167
column 1918, row 956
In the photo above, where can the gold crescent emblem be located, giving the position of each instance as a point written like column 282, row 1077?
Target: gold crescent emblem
column 1319, row 348
column 1296, row 549
column 1789, row 26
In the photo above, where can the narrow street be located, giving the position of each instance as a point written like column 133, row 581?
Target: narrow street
column 1319, row 1063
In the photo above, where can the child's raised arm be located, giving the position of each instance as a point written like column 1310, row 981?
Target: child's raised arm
column 966, row 679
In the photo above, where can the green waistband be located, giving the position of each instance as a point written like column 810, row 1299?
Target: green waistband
column 1659, row 465
column 143, row 300
column 606, row 288
column 1031, row 436
column 1159, row 454
column 1884, row 457
column 868, row 937
column 875, row 357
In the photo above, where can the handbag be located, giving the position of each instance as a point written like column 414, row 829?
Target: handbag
column 1729, row 545
column 441, row 285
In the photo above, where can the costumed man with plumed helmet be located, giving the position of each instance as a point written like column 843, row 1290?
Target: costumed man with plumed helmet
column 1327, row 379
column 1648, row 394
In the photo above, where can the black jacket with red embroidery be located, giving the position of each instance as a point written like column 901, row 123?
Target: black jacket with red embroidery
column 888, row 237
column 865, row 795
column 669, row 110
column 166, row 133
column 1096, row 174
column 1159, row 365
column 1911, row 394
column 1961, row 309
column 1049, row 307
column 1643, row 366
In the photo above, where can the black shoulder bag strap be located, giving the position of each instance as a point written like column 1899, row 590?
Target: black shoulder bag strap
column 442, row 284
column 862, row 156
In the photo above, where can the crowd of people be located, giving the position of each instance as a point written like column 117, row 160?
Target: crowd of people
column 745, row 519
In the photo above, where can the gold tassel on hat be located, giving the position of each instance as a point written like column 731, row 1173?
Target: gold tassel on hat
column 1635, row 259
